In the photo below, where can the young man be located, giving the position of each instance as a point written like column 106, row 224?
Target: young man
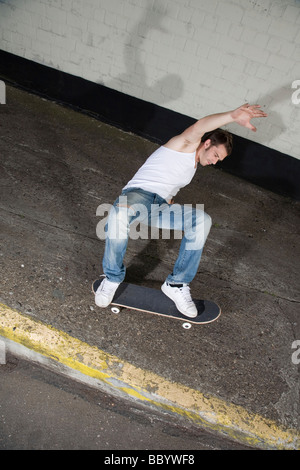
column 148, row 197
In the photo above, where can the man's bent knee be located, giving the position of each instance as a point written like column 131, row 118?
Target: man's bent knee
column 198, row 233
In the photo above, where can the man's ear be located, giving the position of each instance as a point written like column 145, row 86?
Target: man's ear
column 207, row 143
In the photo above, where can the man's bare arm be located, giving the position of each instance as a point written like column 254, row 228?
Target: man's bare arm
column 189, row 140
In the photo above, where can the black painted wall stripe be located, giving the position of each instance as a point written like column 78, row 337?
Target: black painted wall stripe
column 254, row 162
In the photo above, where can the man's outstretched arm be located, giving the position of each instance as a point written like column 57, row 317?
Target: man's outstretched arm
column 189, row 140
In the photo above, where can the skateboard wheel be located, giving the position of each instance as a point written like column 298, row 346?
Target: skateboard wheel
column 115, row 309
column 186, row 325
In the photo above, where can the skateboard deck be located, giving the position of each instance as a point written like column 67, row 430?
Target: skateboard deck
column 154, row 301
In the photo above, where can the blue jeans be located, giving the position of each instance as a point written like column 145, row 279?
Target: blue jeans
column 152, row 210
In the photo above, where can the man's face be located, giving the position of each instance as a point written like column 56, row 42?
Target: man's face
column 209, row 154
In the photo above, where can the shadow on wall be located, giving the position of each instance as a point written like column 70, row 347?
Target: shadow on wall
column 282, row 95
column 258, row 162
column 163, row 90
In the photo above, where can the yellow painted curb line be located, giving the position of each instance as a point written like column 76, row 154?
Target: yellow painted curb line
column 203, row 410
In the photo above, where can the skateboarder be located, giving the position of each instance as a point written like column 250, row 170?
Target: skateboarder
column 170, row 168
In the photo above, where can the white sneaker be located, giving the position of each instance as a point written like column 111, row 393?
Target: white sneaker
column 105, row 292
column 182, row 298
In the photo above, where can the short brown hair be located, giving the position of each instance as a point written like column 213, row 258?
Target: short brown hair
column 218, row 137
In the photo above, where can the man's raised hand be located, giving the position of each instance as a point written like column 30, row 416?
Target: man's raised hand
column 245, row 113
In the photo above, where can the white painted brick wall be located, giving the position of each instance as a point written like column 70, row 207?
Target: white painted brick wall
column 192, row 56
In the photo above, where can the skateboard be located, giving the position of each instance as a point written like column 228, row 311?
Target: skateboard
column 146, row 299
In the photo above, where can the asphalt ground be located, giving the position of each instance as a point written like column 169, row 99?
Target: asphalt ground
column 43, row 410
column 238, row 376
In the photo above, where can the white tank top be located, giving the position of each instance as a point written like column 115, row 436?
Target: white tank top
column 165, row 172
